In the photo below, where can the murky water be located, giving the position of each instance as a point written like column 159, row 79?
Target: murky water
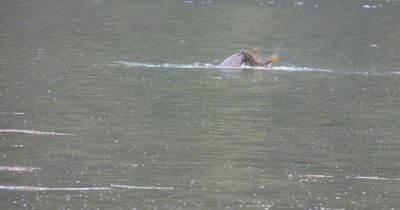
column 122, row 105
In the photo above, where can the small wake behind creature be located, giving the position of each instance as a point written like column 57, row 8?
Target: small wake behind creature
column 244, row 59
column 248, row 58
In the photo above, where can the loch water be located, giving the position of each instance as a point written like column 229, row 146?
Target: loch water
column 121, row 104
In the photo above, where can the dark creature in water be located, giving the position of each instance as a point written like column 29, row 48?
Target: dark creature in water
column 247, row 58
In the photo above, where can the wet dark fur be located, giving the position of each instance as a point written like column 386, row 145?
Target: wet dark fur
column 246, row 58
column 251, row 60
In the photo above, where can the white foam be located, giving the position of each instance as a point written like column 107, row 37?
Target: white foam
column 299, row 3
column 372, row 6
column 299, row 69
column 316, row 176
column 18, row 169
column 141, row 187
column 12, row 113
column 33, row 188
column 111, row 187
column 35, row 132
column 261, row 68
column 373, row 178
column 322, row 176
column 212, row 66
column 168, row 65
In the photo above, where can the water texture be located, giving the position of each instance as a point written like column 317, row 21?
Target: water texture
column 122, row 104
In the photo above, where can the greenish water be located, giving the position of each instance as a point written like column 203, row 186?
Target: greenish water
column 121, row 105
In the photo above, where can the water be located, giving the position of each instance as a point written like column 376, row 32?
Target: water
column 122, row 105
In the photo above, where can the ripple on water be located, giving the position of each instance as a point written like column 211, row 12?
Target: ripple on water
column 33, row 188
column 212, row 66
column 111, row 187
column 18, row 169
column 270, row 68
column 324, row 176
column 33, row 132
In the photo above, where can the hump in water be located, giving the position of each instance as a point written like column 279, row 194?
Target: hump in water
column 235, row 60
column 246, row 58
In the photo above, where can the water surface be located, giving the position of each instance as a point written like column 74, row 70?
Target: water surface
column 122, row 105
